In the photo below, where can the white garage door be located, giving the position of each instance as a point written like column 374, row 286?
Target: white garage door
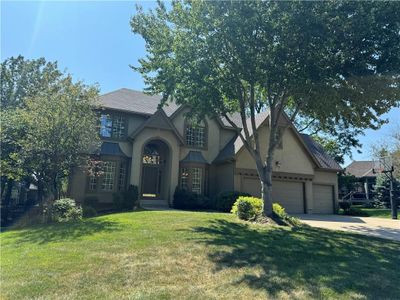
column 323, row 199
column 290, row 195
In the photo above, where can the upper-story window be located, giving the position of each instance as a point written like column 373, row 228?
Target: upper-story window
column 112, row 126
column 195, row 134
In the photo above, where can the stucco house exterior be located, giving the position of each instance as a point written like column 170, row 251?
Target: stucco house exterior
column 160, row 149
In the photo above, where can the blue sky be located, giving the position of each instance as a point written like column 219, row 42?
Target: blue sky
column 92, row 40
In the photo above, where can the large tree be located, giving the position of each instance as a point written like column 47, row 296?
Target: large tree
column 48, row 124
column 20, row 79
column 61, row 132
column 335, row 62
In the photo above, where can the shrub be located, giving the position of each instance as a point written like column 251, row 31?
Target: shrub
column 126, row 200
column 184, row 199
column 88, row 212
column 247, row 208
column 65, row 210
column 353, row 211
column 225, row 200
column 345, row 205
column 280, row 213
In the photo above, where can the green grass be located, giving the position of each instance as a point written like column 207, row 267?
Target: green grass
column 377, row 212
column 193, row 255
column 359, row 210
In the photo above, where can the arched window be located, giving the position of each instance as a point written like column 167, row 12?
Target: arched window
column 196, row 133
column 151, row 155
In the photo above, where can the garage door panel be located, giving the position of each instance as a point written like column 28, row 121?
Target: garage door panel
column 252, row 186
column 322, row 199
column 290, row 195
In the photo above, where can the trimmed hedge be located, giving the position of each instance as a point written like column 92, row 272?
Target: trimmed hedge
column 65, row 210
column 250, row 208
column 126, row 200
column 247, row 208
column 89, row 212
column 184, row 199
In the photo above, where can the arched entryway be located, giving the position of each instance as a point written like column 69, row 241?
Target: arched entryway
column 155, row 170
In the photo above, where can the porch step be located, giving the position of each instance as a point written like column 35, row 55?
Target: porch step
column 154, row 204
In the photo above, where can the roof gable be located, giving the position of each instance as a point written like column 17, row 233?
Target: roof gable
column 158, row 120
column 315, row 151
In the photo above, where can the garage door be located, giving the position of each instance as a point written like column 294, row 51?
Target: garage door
column 323, row 199
column 287, row 193
column 290, row 195
column 251, row 186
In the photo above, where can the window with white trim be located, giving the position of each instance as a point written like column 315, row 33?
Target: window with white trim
column 107, row 183
column 197, row 178
column 195, row 134
column 92, row 183
column 121, row 176
column 112, row 126
column 184, row 178
column 191, row 179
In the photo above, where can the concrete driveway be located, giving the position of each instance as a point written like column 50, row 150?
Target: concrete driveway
column 384, row 228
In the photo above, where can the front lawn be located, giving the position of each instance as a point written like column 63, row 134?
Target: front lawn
column 359, row 210
column 193, row 255
column 377, row 212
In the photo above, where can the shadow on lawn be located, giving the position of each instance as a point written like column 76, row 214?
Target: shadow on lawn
column 305, row 258
column 62, row 232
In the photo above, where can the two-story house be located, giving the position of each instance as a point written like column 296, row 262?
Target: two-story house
column 160, row 149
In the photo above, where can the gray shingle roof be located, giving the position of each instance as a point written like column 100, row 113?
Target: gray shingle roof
column 194, row 157
column 361, row 169
column 235, row 118
column 108, row 148
column 259, row 118
column 323, row 158
column 227, row 153
column 135, row 101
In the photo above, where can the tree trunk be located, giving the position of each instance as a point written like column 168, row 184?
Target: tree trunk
column 266, row 194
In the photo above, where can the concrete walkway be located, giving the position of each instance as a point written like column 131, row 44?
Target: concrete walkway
column 384, row 228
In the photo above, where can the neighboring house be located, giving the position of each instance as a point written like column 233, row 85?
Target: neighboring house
column 160, row 149
column 363, row 171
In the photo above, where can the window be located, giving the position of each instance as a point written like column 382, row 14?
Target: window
column 92, row 183
column 105, row 126
column 109, row 168
column 121, row 176
column 192, row 179
column 196, row 180
column 151, row 155
column 112, row 126
column 185, row 178
column 196, row 134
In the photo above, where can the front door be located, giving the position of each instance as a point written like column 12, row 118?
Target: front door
column 153, row 165
column 151, row 181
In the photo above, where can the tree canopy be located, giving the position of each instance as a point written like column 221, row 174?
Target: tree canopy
column 333, row 62
column 48, row 122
